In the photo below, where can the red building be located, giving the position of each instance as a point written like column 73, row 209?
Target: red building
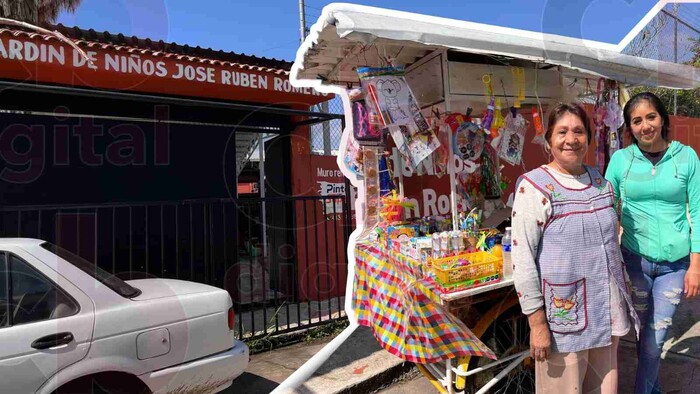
column 139, row 159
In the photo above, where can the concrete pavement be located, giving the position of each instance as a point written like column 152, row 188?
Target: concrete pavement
column 361, row 366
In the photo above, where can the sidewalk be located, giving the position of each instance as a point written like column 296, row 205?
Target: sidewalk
column 361, row 366
column 358, row 366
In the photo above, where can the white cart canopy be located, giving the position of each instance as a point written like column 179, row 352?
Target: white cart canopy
column 347, row 35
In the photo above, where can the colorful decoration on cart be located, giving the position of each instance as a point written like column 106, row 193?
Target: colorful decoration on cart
column 370, row 162
column 404, row 312
column 386, row 179
column 510, row 148
column 365, row 129
column 490, row 173
column 539, row 128
column 468, row 141
column 353, row 156
column 519, row 79
column 441, row 156
column 392, row 207
column 613, row 120
column 498, row 121
column 390, row 99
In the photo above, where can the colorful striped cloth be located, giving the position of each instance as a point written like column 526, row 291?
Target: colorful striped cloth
column 404, row 311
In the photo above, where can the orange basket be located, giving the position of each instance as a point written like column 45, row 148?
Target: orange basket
column 482, row 264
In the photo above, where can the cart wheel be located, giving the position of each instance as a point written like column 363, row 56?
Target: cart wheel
column 509, row 334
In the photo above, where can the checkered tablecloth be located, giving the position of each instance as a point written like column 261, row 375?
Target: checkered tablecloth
column 404, row 311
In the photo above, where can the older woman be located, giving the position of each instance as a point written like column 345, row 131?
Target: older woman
column 567, row 264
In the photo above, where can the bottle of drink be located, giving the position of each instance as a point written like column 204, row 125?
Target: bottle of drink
column 507, row 265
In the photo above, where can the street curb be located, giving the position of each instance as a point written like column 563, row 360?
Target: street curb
column 381, row 380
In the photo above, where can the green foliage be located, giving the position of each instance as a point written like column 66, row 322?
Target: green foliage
column 34, row 11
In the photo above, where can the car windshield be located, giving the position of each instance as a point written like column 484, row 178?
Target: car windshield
column 119, row 286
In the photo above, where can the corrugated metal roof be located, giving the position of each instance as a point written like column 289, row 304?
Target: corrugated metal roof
column 105, row 40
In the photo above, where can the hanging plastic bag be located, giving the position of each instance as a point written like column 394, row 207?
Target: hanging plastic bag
column 441, row 156
column 539, row 129
column 353, row 156
column 599, row 115
column 498, row 121
column 468, row 141
column 393, row 103
column 510, row 147
column 614, row 121
column 366, row 131
column 490, row 174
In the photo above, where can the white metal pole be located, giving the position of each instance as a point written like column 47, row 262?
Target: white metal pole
column 450, row 155
column 399, row 164
column 303, row 374
column 261, row 188
column 302, row 21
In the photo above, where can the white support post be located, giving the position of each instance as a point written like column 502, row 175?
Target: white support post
column 450, row 155
column 261, row 187
column 304, row 372
column 399, row 164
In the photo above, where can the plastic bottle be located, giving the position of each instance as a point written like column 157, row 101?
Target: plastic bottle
column 507, row 264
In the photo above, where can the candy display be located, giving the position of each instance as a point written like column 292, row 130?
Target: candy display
column 455, row 256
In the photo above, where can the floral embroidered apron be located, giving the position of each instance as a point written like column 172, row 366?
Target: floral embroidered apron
column 577, row 257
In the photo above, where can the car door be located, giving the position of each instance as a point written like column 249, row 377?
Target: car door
column 46, row 322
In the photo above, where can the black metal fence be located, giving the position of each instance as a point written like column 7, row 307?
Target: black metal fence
column 283, row 260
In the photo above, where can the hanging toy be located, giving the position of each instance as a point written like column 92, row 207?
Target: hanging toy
column 539, row 129
column 488, row 118
column 497, row 122
column 614, row 120
column 510, row 148
column 519, row 79
column 599, row 113
column 468, row 141
column 442, row 154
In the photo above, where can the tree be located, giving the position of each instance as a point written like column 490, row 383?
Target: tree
column 37, row 12
column 688, row 100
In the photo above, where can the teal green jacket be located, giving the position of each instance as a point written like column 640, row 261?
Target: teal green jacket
column 653, row 201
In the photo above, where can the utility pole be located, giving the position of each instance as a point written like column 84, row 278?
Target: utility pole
column 326, row 125
column 302, row 20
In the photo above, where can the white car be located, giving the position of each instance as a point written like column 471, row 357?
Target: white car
column 67, row 326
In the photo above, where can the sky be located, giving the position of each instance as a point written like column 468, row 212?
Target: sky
column 270, row 28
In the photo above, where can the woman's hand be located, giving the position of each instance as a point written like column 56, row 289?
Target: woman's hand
column 692, row 277
column 540, row 337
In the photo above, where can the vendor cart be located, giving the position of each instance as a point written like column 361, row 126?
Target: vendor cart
column 450, row 66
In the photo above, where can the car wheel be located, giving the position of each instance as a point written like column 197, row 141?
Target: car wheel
column 105, row 383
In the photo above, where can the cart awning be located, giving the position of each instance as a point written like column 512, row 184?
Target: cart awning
column 347, row 35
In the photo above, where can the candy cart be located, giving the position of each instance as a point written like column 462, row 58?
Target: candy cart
column 463, row 103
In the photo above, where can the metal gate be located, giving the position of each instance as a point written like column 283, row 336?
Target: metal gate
column 281, row 278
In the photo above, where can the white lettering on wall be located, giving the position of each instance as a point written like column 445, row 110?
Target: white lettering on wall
column 145, row 65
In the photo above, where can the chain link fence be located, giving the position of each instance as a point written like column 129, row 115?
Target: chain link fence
column 325, row 136
column 672, row 36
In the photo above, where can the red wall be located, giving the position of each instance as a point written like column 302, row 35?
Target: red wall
column 321, row 260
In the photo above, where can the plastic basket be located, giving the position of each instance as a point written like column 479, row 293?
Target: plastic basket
column 482, row 264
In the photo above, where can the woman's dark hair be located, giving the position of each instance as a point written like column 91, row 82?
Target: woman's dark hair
column 562, row 109
column 655, row 102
